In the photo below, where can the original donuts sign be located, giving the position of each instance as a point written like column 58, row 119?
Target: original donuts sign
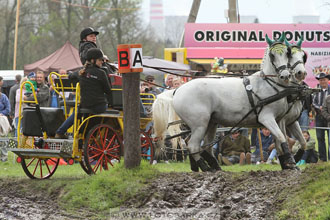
column 253, row 35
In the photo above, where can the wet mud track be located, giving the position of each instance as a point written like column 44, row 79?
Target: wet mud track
column 18, row 202
column 220, row 195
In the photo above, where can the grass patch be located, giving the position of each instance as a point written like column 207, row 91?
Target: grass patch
column 107, row 189
column 311, row 198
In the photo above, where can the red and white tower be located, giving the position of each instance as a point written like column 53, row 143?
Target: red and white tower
column 157, row 18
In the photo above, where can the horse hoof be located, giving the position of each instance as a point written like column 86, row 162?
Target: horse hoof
column 287, row 162
column 204, row 167
column 290, row 167
column 218, row 168
column 193, row 164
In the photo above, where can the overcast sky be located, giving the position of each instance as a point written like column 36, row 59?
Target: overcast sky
column 268, row 11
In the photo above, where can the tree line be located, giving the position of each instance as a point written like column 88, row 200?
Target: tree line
column 45, row 25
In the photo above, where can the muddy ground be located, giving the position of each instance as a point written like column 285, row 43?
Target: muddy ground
column 221, row 195
column 19, row 201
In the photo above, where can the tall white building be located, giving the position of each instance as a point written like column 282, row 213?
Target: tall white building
column 157, row 18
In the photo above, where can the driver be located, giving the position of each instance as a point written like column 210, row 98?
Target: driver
column 87, row 41
column 94, row 86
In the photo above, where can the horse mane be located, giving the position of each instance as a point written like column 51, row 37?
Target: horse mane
column 264, row 58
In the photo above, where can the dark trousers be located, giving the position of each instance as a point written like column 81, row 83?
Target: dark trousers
column 253, row 137
column 310, row 156
column 320, row 134
column 97, row 109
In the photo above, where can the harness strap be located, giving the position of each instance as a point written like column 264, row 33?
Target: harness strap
column 248, row 89
column 267, row 80
column 278, row 96
column 295, row 64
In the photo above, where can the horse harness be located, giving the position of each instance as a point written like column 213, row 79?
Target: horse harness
column 293, row 94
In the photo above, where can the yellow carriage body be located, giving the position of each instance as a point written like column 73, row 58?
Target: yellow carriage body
column 46, row 150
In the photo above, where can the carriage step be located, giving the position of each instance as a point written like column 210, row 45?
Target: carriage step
column 21, row 152
column 50, row 148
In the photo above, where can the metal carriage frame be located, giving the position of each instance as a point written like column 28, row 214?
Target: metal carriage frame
column 96, row 141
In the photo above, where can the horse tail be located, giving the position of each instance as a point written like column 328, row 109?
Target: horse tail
column 162, row 114
column 162, row 110
column 5, row 127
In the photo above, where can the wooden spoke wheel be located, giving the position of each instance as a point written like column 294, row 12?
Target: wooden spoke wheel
column 37, row 168
column 147, row 149
column 102, row 148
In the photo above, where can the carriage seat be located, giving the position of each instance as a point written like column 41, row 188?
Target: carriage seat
column 31, row 124
column 108, row 111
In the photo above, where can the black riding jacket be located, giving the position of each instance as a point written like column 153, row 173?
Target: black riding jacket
column 94, row 85
column 84, row 46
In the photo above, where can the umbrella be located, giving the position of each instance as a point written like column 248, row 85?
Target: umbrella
column 160, row 63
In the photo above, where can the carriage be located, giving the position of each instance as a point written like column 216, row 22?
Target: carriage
column 95, row 140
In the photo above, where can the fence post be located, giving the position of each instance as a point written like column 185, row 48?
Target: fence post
column 130, row 65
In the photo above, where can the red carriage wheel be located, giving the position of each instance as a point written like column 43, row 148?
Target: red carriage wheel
column 37, row 168
column 102, row 148
column 147, row 149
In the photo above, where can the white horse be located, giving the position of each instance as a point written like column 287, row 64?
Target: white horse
column 289, row 121
column 204, row 103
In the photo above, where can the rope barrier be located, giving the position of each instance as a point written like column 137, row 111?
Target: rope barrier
column 324, row 128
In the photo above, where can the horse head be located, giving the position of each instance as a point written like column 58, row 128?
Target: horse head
column 297, row 60
column 278, row 58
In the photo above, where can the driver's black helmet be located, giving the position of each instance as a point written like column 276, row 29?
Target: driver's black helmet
column 94, row 53
column 87, row 31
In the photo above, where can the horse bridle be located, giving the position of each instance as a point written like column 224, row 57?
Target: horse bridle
column 303, row 61
column 295, row 64
column 283, row 67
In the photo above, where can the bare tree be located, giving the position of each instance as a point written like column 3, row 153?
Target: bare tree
column 46, row 25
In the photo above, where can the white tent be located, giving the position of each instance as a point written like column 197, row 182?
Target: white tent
column 10, row 74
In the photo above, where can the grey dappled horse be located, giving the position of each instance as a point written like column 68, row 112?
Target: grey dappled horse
column 204, row 103
column 289, row 122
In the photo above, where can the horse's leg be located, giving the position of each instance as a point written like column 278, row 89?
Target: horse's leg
column 295, row 130
column 194, row 147
column 282, row 126
column 193, row 164
column 208, row 154
column 286, row 160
